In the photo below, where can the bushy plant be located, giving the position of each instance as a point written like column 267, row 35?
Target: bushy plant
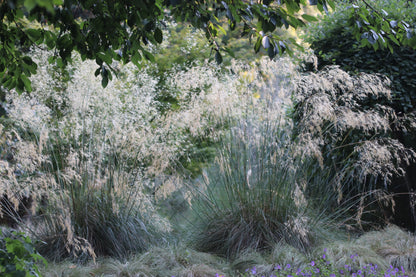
column 348, row 122
column 97, row 160
column 245, row 205
column 333, row 43
column 82, row 170
column 18, row 256
column 96, row 205
column 92, row 218
column 254, row 196
column 395, row 245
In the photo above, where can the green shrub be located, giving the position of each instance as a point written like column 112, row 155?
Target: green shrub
column 334, row 43
column 18, row 256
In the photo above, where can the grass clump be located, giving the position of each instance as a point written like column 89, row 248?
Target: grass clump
column 252, row 197
column 395, row 245
column 347, row 122
column 339, row 255
column 95, row 207
column 157, row 261
column 262, row 187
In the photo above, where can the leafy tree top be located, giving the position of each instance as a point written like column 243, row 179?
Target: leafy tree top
column 108, row 30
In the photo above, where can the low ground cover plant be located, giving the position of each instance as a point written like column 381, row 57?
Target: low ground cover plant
column 18, row 256
column 322, row 267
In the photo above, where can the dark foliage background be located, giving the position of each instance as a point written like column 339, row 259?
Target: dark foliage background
column 333, row 43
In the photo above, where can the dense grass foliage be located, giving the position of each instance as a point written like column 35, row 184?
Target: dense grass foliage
column 187, row 168
column 259, row 191
column 366, row 254
column 101, row 163
column 96, row 212
column 333, row 43
column 248, row 199
column 348, row 121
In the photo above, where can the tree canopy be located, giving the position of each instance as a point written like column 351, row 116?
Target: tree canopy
column 109, row 30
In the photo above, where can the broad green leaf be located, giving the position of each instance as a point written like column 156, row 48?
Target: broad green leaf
column 29, row 4
column 148, row 56
column 258, row 44
column 271, row 52
column 110, row 76
column 385, row 27
column 50, row 39
column 34, row 34
column 221, row 29
column 104, row 81
column 9, row 82
column 27, row 83
column 218, row 57
column 158, row 35
column 27, row 60
column 105, row 57
column 308, row 17
column 390, row 48
column 136, row 58
column 20, row 87
column 97, row 72
column 292, row 6
column 331, row 4
column 64, row 42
